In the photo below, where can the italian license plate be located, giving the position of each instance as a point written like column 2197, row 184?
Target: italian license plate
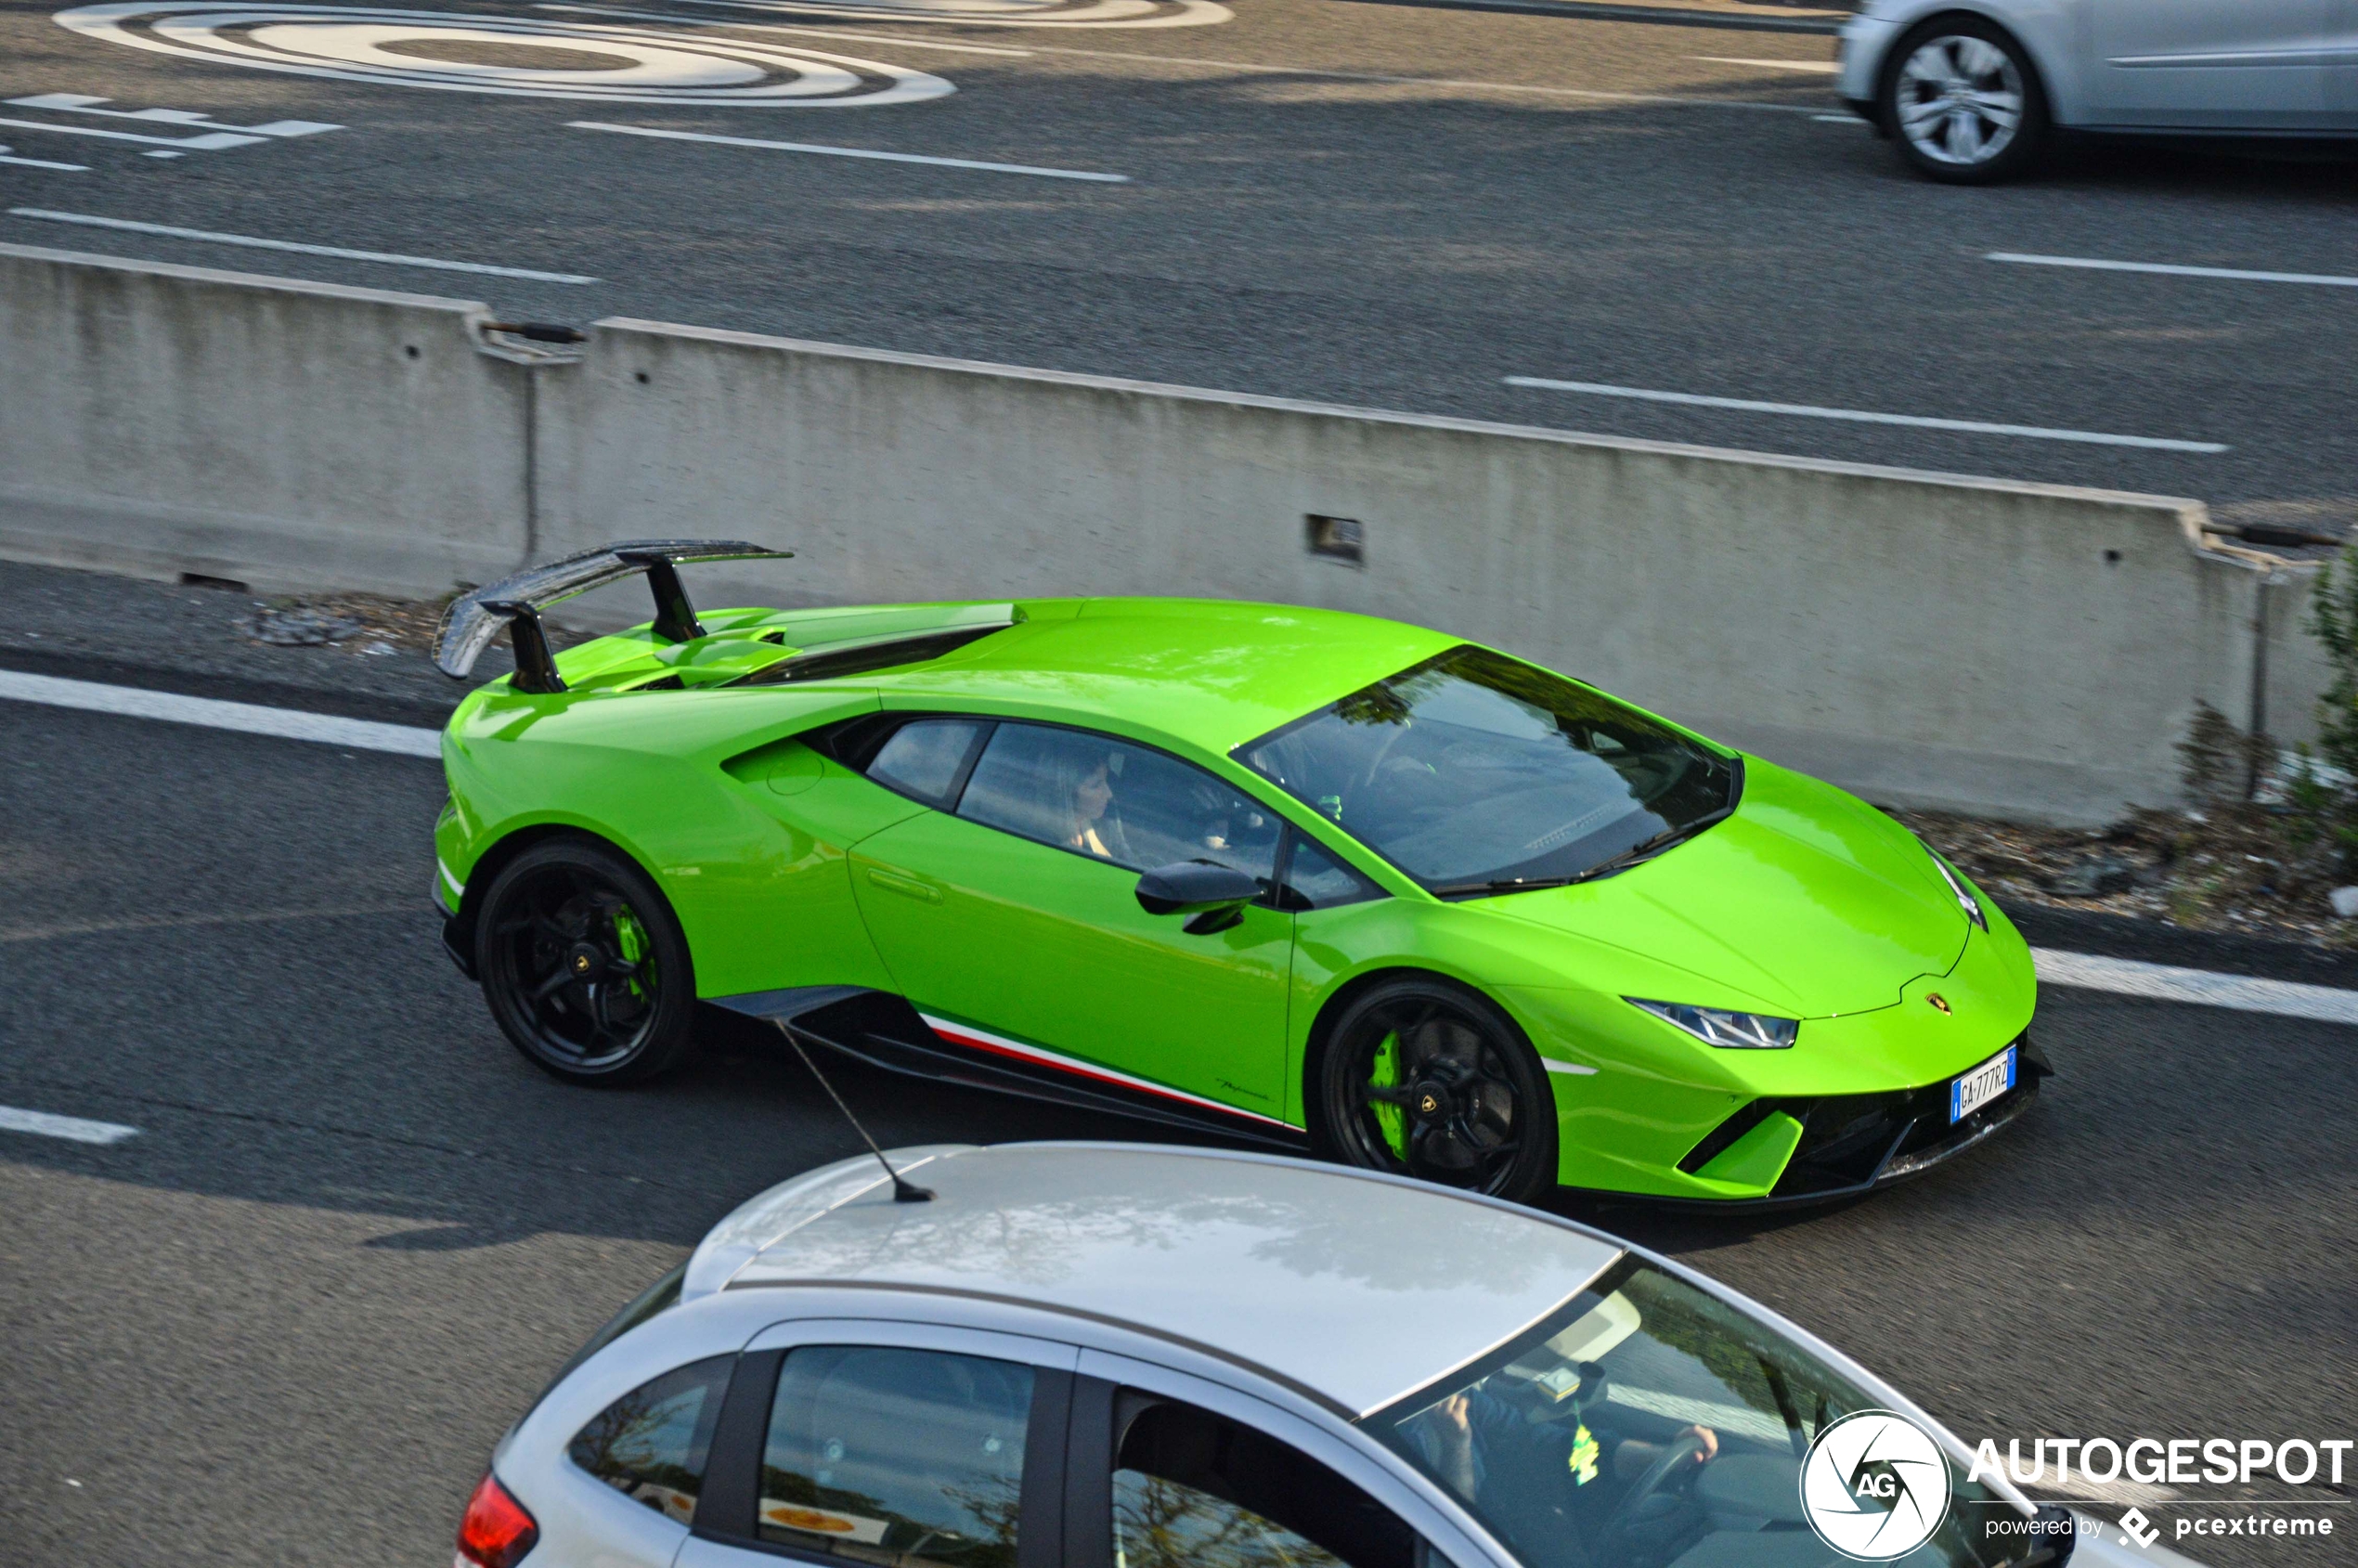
column 1982, row 1086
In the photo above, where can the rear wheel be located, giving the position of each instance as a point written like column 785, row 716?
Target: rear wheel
column 584, row 966
column 1425, row 1079
column 1962, row 101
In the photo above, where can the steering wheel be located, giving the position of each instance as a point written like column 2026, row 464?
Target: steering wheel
column 1612, row 1540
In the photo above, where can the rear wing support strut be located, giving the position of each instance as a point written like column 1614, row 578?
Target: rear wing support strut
column 516, row 602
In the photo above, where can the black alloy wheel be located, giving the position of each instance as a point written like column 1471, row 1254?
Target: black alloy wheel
column 584, row 964
column 1421, row 1078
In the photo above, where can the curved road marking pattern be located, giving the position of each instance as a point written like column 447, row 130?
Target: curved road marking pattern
column 411, row 49
column 1006, row 13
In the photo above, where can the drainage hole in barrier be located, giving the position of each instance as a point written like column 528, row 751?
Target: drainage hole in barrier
column 411, row 349
column 197, row 579
column 1338, row 538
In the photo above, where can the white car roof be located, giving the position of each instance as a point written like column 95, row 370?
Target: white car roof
column 1356, row 1288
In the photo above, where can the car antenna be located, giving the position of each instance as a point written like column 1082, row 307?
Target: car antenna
column 903, row 1190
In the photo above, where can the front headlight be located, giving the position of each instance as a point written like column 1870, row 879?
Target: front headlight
column 1729, row 1032
column 1965, row 901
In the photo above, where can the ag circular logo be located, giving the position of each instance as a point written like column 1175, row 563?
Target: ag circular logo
column 1875, row 1485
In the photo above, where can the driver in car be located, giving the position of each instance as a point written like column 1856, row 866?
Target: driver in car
column 1509, row 1452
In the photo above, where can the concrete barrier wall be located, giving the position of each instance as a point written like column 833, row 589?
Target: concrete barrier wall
column 2020, row 650
column 167, row 418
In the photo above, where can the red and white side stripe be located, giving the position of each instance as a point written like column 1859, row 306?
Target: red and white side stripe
column 1000, row 1045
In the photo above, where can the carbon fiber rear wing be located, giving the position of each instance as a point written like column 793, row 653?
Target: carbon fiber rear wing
column 515, row 602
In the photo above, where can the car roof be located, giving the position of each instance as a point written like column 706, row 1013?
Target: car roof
column 1214, row 673
column 1353, row 1288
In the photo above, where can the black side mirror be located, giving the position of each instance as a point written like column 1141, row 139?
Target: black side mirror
column 1214, row 895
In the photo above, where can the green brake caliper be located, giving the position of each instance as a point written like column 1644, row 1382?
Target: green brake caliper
column 1385, row 1074
column 631, row 938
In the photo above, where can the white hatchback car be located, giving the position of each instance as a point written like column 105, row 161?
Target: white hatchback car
column 1093, row 1356
column 1969, row 88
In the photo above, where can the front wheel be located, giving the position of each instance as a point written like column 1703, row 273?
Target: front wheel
column 1962, row 102
column 1424, row 1079
column 584, row 966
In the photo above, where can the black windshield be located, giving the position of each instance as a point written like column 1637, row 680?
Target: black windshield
column 1475, row 772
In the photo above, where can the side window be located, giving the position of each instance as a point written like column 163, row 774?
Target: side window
column 1196, row 1490
column 910, row 1458
column 1320, row 880
column 926, row 760
column 651, row 1444
column 1115, row 802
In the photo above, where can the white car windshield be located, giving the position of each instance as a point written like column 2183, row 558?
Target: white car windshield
column 1649, row 1425
column 1477, row 773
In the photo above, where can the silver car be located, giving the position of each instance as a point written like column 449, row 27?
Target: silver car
column 1092, row 1355
column 1969, row 89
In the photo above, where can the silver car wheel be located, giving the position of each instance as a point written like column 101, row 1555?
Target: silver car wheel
column 1960, row 100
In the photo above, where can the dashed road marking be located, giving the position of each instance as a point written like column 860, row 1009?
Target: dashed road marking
column 83, row 103
column 206, row 235
column 2235, row 274
column 74, row 1129
column 210, row 141
column 1865, row 415
column 211, row 713
column 849, row 153
column 1815, row 68
column 44, row 164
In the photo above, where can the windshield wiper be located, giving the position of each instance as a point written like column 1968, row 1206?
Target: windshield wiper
column 1647, row 848
column 1644, row 849
column 1500, row 885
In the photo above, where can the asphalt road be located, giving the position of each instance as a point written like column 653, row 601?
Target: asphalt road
column 355, row 1231
column 1388, row 204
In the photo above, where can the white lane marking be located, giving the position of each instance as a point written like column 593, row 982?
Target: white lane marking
column 83, row 103
column 2201, row 988
column 44, row 164
column 1862, row 415
column 2236, row 273
column 286, row 724
column 849, row 153
column 774, row 27
column 73, row 1128
column 212, row 141
column 1816, row 68
column 208, row 237
column 1570, row 1070
column 1837, row 120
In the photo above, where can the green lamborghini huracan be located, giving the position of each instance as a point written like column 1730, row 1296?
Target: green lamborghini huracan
column 1281, row 874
